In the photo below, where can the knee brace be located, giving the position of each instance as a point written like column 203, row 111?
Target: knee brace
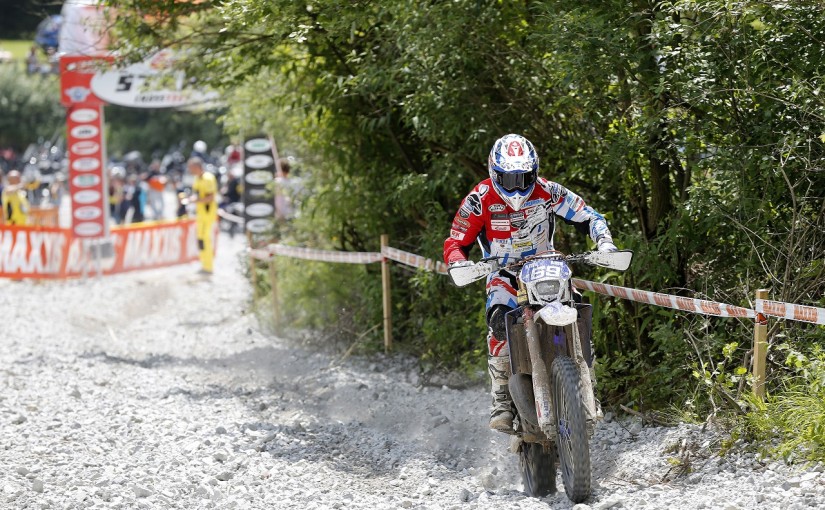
column 495, row 321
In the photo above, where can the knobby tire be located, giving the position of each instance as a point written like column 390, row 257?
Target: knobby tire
column 572, row 442
column 538, row 469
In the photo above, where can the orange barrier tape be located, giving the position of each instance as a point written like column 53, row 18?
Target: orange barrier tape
column 773, row 308
column 347, row 257
column 790, row 311
column 667, row 300
column 413, row 260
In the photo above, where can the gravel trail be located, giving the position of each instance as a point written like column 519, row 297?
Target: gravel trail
column 159, row 389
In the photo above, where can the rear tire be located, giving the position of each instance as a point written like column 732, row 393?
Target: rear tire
column 538, row 469
column 571, row 427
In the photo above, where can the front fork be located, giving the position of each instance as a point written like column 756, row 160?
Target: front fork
column 541, row 376
column 588, row 395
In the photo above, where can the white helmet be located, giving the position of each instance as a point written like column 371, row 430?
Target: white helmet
column 514, row 167
column 199, row 146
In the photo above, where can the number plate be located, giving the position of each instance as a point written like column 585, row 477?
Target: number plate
column 544, row 269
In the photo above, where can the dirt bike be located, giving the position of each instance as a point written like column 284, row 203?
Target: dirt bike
column 551, row 361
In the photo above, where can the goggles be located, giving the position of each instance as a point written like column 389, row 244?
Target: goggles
column 512, row 181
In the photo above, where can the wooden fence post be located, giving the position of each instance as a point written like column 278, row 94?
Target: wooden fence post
column 760, row 348
column 273, row 286
column 385, row 281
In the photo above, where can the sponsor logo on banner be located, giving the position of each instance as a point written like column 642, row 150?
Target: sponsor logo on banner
column 259, row 172
column 85, row 148
column 258, row 193
column 152, row 83
column 259, row 226
column 86, row 164
column 86, row 181
column 88, row 212
column 88, row 229
column 78, row 94
column 257, row 145
column 35, row 252
column 29, row 252
column 259, row 161
column 260, row 209
column 259, row 177
column 84, row 131
column 83, row 115
column 86, row 196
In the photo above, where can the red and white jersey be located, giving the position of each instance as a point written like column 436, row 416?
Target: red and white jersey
column 503, row 232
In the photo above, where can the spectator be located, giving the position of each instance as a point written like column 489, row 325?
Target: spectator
column 232, row 191
column 232, row 155
column 116, row 186
column 132, row 201
column 15, row 203
column 32, row 61
column 199, row 150
column 283, row 192
column 154, row 194
column 205, row 190
column 53, row 61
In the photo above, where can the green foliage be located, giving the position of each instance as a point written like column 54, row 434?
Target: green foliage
column 158, row 130
column 30, row 108
column 19, row 51
column 795, row 414
column 697, row 127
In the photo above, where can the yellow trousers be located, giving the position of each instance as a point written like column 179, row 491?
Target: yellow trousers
column 204, row 225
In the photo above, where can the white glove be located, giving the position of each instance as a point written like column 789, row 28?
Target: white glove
column 607, row 246
column 462, row 263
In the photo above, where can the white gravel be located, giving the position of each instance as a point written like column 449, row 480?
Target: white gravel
column 159, row 389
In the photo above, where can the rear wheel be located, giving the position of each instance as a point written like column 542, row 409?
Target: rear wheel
column 571, row 426
column 538, row 469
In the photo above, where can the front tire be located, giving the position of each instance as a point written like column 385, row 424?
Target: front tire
column 571, row 428
column 538, row 469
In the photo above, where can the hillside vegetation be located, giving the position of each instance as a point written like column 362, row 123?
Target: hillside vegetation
column 696, row 127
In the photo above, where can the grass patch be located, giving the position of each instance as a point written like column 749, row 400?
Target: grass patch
column 794, row 417
column 19, row 49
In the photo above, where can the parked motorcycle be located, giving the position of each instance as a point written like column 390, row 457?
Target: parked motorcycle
column 551, row 360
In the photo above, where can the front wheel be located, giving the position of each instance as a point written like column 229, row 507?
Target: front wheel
column 571, row 429
column 538, row 469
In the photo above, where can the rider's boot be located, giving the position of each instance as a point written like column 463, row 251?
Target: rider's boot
column 501, row 416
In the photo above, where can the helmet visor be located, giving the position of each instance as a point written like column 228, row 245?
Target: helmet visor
column 512, row 181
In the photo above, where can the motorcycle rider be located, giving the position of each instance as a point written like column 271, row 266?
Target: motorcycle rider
column 512, row 215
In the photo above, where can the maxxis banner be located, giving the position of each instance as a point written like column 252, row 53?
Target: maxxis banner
column 52, row 253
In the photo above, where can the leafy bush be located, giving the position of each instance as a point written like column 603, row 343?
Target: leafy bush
column 793, row 417
column 31, row 107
